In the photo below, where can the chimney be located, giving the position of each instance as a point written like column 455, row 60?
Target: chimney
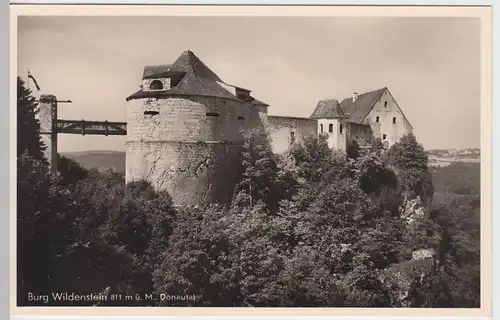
column 354, row 96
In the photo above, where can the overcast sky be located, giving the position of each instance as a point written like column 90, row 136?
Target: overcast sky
column 430, row 65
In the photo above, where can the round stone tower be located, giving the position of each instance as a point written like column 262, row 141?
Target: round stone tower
column 184, row 131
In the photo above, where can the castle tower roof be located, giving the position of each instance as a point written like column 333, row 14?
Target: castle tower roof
column 190, row 77
column 328, row 109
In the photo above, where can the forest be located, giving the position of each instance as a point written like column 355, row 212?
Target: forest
column 309, row 228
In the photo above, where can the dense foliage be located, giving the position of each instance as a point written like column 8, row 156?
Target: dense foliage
column 311, row 227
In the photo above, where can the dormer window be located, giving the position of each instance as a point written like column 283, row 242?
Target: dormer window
column 156, row 85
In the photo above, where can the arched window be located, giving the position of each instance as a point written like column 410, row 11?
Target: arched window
column 156, row 85
column 330, row 127
column 378, row 119
column 321, row 127
column 341, row 128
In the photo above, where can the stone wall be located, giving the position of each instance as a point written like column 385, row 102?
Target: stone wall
column 361, row 133
column 284, row 130
column 48, row 119
column 188, row 146
column 192, row 173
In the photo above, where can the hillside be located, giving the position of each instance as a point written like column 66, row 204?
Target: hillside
column 104, row 159
column 100, row 159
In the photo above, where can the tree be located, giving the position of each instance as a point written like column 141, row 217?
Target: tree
column 28, row 127
column 70, row 170
column 45, row 227
column 410, row 160
column 259, row 178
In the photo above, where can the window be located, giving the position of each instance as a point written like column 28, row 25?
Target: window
column 292, row 137
column 330, row 127
column 393, row 119
column 156, row 85
column 212, row 114
column 241, row 118
column 321, row 127
column 377, row 119
column 151, row 113
column 385, row 104
column 341, row 128
column 384, row 136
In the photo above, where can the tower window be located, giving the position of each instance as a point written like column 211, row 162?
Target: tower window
column 393, row 119
column 385, row 104
column 156, row 85
column 321, row 127
column 384, row 136
column 341, row 128
column 377, row 119
column 330, row 127
column 151, row 113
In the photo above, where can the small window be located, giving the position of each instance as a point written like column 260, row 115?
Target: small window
column 212, row 114
column 151, row 113
column 393, row 119
column 385, row 104
column 341, row 128
column 377, row 119
column 156, row 85
column 241, row 118
column 292, row 137
column 321, row 127
column 384, row 136
column 330, row 127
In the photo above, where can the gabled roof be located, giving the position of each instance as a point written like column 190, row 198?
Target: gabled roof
column 154, row 71
column 328, row 109
column 363, row 104
column 195, row 79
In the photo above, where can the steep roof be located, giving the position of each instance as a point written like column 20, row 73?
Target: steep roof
column 196, row 79
column 328, row 109
column 358, row 109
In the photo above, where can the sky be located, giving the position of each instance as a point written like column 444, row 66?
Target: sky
column 430, row 65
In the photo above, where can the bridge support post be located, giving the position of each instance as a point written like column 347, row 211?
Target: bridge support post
column 48, row 130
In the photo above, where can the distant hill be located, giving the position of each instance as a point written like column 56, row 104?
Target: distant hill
column 444, row 157
column 99, row 159
column 104, row 160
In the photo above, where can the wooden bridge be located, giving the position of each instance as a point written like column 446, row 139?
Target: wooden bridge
column 103, row 128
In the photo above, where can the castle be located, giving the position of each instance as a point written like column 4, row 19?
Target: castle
column 184, row 128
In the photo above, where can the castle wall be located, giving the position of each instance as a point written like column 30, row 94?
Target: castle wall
column 284, row 130
column 192, row 173
column 385, row 125
column 361, row 133
column 188, row 146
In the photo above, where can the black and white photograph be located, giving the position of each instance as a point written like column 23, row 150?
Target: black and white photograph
column 249, row 161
